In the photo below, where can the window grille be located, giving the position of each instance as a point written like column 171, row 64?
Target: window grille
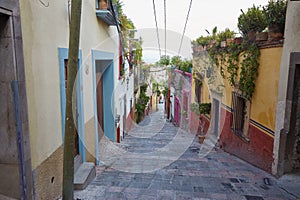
column 238, row 113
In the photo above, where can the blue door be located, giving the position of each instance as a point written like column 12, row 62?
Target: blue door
column 79, row 118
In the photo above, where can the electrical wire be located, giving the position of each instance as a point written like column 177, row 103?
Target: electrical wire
column 187, row 18
column 165, row 14
column 120, row 32
column 157, row 34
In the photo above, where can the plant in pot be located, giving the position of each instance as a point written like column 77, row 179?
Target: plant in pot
column 262, row 36
column 251, row 22
column 204, row 108
column 275, row 13
column 203, row 41
column 201, row 133
column 224, row 37
column 103, row 4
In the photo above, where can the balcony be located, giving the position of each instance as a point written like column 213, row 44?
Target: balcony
column 105, row 12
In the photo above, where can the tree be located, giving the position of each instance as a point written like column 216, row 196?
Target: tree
column 164, row 60
column 69, row 140
column 176, row 61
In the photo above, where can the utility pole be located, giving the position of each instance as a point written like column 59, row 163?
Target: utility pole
column 69, row 140
column 169, row 95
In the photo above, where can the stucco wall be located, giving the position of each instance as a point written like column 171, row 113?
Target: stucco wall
column 283, row 112
column 205, row 93
column 44, row 30
column 95, row 35
column 48, row 176
column 263, row 105
column 258, row 150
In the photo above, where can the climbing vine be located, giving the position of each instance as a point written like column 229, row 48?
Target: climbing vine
column 233, row 63
column 237, row 60
column 249, row 69
column 227, row 60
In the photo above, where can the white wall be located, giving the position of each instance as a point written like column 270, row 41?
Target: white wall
column 45, row 29
column 95, row 35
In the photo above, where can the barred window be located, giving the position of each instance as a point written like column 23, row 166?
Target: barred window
column 238, row 113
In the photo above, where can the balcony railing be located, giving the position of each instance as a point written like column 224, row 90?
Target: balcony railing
column 105, row 12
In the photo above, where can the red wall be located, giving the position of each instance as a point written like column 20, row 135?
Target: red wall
column 258, row 151
column 129, row 121
column 195, row 123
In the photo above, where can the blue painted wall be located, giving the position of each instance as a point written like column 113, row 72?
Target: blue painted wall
column 63, row 54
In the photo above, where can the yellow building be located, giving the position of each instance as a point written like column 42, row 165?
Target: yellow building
column 242, row 126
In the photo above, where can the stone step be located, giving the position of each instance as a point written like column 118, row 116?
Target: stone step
column 84, row 175
column 77, row 162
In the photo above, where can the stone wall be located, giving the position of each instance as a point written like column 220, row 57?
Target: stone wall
column 15, row 157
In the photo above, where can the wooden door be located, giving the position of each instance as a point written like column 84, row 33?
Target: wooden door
column 100, row 110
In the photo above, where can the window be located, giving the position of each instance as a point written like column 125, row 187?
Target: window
column 121, row 60
column 66, row 72
column 238, row 113
column 198, row 88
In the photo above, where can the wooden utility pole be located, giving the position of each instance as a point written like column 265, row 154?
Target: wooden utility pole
column 69, row 140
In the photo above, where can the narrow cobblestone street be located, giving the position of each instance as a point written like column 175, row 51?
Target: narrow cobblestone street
column 217, row 175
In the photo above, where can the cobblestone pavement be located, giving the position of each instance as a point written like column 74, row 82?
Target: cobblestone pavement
column 217, row 175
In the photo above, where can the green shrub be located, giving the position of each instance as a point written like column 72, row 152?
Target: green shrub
column 226, row 34
column 253, row 20
column 275, row 13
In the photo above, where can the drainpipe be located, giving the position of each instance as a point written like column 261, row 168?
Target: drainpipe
column 19, row 135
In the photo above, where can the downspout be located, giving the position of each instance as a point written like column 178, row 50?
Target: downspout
column 19, row 135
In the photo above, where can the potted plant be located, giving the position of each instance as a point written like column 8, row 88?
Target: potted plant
column 195, row 109
column 251, row 22
column 201, row 132
column 262, row 36
column 225, row 37
column 102, row 4
column 204, row 109
column 238, row 40
column 275, row 13
column 203, row 41
column 200, row 129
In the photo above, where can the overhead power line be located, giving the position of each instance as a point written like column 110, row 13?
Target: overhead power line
column 157, row 34
column 165, row 14
column 186, row 21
